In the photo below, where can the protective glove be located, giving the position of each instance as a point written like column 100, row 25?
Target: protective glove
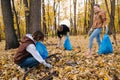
column 47, row 65
column 90, row 31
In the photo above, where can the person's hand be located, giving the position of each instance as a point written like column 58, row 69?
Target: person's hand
column 90, row 31
column 47, row 65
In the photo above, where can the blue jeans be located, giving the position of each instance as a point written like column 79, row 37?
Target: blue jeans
column 29, row 63
column 95, row 34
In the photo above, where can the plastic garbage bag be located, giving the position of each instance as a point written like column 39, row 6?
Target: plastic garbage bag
column 42, row 49
column 67, row 43
column 105, row 46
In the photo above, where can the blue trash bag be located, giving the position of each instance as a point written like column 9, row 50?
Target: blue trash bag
column 42, row 50
column 105, row 46
column 67, row 44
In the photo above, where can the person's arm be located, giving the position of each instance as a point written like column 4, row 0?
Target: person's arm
column 32, row 50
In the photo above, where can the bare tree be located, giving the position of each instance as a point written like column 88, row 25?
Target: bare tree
column 85, row 21
column 92, row 2
column 44, row 18
column 54, row 8
column 0, row 32
column 10, row 36
column 17, row 19
column 48, row 6
column 58, row 12
column 75, row 29
column 71, row 20
column 112, row 29
column 27, row 14
column 118, row 7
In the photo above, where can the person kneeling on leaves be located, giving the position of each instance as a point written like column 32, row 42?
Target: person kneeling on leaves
column 27, row 56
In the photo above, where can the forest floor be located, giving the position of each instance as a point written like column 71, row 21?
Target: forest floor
column 70, row 65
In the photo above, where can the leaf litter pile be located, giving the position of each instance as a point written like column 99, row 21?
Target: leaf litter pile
column 66, row 65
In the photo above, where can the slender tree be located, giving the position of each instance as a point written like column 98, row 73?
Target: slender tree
column 71, row 21
column 10, row 36
column 91, row 13
column 17, row 19
column 54, row 9
column 48, row 14
column 118, row 7
column 58, row 12
column 44, row 18
column 111, row 25
column 0, row 31
column 85, row 21
column 27, row 14
column 75, row 29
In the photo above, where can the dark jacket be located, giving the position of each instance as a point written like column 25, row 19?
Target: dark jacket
column 22, row 54
column 63, row 32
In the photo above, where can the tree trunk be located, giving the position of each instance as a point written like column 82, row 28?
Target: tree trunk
column 27, row 14
column 75, row 30
column 48, row 15
column 54, row 8
column 85, row 21
column 17, row 20
column 89, row 10
column 112, row 18
column 35, row 13
column 10, row 36
column 58, row 12
column 91, row 13
column 118, row 6
column 44, row 20
column 71, row 22
column 0, row 32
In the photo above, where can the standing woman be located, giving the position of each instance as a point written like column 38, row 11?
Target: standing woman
column 98, row 22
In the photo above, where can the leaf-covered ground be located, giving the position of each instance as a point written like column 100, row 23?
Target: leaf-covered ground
column 71, row 65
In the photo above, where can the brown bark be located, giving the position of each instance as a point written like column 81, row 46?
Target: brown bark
column 35, row 7
column 10, row 36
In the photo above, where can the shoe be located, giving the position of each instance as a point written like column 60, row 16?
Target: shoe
column 21, row 69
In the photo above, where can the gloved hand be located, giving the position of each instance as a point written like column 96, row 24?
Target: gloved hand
column 47, row 65
column 90, row 31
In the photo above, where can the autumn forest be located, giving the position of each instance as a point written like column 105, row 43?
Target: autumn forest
column 20, row 17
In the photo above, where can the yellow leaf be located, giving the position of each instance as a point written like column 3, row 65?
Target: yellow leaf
column 68, row 68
